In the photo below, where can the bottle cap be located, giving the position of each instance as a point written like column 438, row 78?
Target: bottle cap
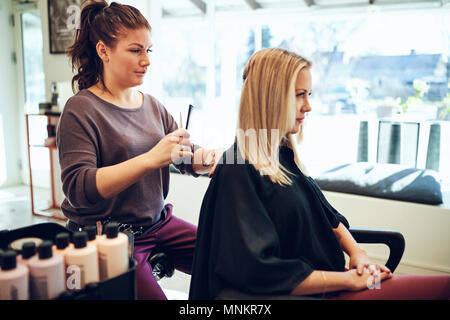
column 28, row 250
column 91, row 232
column 62, row 240
column 79, row 239
column 112, row 230
column 45, row 250
column 9, row 260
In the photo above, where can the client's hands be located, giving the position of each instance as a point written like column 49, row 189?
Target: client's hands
column 364, row 274
column 360, row 260
column 370, row 278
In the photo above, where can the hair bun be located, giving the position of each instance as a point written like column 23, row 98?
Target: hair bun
column 94, row 6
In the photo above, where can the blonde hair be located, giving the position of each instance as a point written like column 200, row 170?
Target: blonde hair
column 267, row 107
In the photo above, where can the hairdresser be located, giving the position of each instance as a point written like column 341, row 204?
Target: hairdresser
column 116, row 143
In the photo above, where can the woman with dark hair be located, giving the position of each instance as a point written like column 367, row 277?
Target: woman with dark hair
column 116, row 143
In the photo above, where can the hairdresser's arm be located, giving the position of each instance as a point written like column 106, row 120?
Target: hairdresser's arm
column 112, row 180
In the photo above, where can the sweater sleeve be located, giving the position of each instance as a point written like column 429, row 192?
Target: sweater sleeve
column 77, row 147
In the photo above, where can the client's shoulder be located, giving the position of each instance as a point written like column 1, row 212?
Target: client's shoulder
column 232, row 166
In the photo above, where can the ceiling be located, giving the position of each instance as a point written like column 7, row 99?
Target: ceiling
column 184, row 8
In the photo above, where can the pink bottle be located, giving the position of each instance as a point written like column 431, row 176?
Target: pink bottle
column 46, row 273
column 13, row 278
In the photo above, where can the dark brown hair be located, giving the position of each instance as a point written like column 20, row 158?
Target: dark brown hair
column 99, row 22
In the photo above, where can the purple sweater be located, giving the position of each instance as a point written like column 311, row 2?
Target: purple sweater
column 93, row 133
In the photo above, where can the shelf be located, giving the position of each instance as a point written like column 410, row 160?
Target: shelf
column 43, row 146
column 49, row 212
column 44, row 115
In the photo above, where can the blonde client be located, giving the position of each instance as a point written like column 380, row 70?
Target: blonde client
column 265, row 227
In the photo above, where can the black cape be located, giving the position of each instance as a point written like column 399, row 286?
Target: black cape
column 260, row 238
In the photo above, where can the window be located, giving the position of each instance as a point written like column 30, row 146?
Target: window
column 184, row 65
column 33, row 60
column 34, row 77
column 399, row 76
column 368, row 68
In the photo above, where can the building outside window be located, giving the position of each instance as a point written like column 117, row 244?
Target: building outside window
column 381, row 69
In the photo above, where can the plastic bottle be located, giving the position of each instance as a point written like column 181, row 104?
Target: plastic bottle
column 28, row 252
column 91, row 235
column 113, row 252
column 55, row 97
column 46, row 273
column 81, row 262
column 13, row 278
column 62, row 242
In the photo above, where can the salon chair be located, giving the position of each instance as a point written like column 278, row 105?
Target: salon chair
column 393, row 239
column 162, row 266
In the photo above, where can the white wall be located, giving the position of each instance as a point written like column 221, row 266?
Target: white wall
column 424, row 227
column 9, row 109
column 57, row 67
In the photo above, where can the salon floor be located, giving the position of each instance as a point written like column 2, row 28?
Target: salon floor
column 15, row 212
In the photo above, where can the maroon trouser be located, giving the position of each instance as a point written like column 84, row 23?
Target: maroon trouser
column 174, row 237
column 404, row 287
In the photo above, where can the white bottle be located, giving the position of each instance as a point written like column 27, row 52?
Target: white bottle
column 13, row 278
column 81, row 262
column 46, row 273
column 28, row 252
column 113, row 252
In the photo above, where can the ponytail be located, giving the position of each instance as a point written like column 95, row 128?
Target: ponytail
column 99, row 22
